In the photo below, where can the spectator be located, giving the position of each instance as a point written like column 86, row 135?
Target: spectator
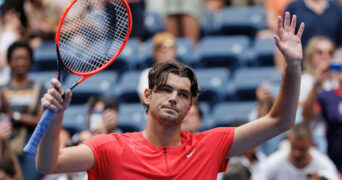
column 22, row 95
column 318, row 56
column 301, row 160
column 102, row 118
column 164, row 49
column 215, row 5
column 183, row 18
column 193, row 120
column 5, row 148
column 323, row 18
column 273, row 9
column 327, row 103
column 11, row 29
column 43, row 17
column 236, row 171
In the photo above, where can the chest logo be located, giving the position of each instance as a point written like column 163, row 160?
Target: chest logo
column 192, row 152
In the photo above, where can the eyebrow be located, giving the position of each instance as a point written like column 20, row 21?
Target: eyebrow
column 180, row 90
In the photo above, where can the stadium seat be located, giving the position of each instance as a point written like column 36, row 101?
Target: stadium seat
column 45, row 56
column 129, row 54
column 222, row 51
column 126, row 90
column 264, row 51
column 132, row 117
column 75, row 118
column 102, row 83
column 153, row 22
column 246, row 80
column 227, row 112
column 43, row 77
column 245, row 20
column 209, row 23
column 212, row 81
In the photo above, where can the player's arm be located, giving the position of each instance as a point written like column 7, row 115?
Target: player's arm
column 50, row 158
column 282, row 115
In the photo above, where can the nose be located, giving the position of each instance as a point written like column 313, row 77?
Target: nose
column 173, row 97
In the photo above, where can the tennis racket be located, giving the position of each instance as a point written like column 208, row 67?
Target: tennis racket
column 90, row 36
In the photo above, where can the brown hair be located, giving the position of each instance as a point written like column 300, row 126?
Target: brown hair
column 158, row 75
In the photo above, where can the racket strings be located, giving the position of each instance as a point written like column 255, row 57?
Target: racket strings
column 92, row 33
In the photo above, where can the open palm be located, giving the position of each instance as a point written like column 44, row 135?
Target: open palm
column 288, row 42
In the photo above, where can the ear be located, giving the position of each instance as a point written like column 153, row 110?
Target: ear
column 147, row 95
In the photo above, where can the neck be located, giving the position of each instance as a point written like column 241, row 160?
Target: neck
column 19, row 81
column 318, row 6
column 162, row 135
column 300, row 165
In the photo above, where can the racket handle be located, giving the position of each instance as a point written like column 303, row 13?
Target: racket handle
column 31, row 146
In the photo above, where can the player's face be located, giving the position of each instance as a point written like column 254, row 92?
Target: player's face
column 20, row 61
column 172, row 101
column 300, row 147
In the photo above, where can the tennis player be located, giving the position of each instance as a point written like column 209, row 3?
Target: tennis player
column 162, row 150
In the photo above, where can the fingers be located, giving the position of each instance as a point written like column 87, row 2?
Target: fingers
column 280, row 25
column 67, row 98
column 300, row 30
column 293, row 23
column 57, row 85
column 277, row 42
column 52, row 100
column 287, row 22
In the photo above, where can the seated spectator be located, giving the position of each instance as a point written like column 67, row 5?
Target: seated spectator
column 193, row 120
column 301, row 160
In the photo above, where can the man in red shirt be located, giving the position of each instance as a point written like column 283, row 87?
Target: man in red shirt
column 162, row 150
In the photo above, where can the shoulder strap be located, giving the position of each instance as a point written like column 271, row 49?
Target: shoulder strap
column 33, row 105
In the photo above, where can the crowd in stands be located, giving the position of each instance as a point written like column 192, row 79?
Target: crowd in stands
column 227, row 42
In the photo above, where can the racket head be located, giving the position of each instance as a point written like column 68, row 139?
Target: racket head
column 91, row 35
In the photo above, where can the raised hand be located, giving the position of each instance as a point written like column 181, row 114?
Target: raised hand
column 288, row 42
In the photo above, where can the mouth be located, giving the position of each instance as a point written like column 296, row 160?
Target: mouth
column 171, row 108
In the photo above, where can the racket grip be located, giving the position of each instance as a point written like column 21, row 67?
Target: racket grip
column 31, row 146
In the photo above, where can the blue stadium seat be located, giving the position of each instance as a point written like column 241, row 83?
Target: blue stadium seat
column 102, row 83
column 43, row 77
column 264, row 51
column 75, row 118
column 209, row 23
column 246, row 80
column 222, row 51
column 245, row 20
column 132, row 117
column 126, row 90
column 45, row 56
column 153, row 22
column 129, row 54
column 213, row 81
column 227, row 112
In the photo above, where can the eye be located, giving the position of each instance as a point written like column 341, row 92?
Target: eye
column 184, row 95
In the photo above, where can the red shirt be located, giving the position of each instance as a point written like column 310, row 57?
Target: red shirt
column 130, row 156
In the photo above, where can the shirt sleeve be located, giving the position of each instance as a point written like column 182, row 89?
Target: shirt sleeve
column 220, row 140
